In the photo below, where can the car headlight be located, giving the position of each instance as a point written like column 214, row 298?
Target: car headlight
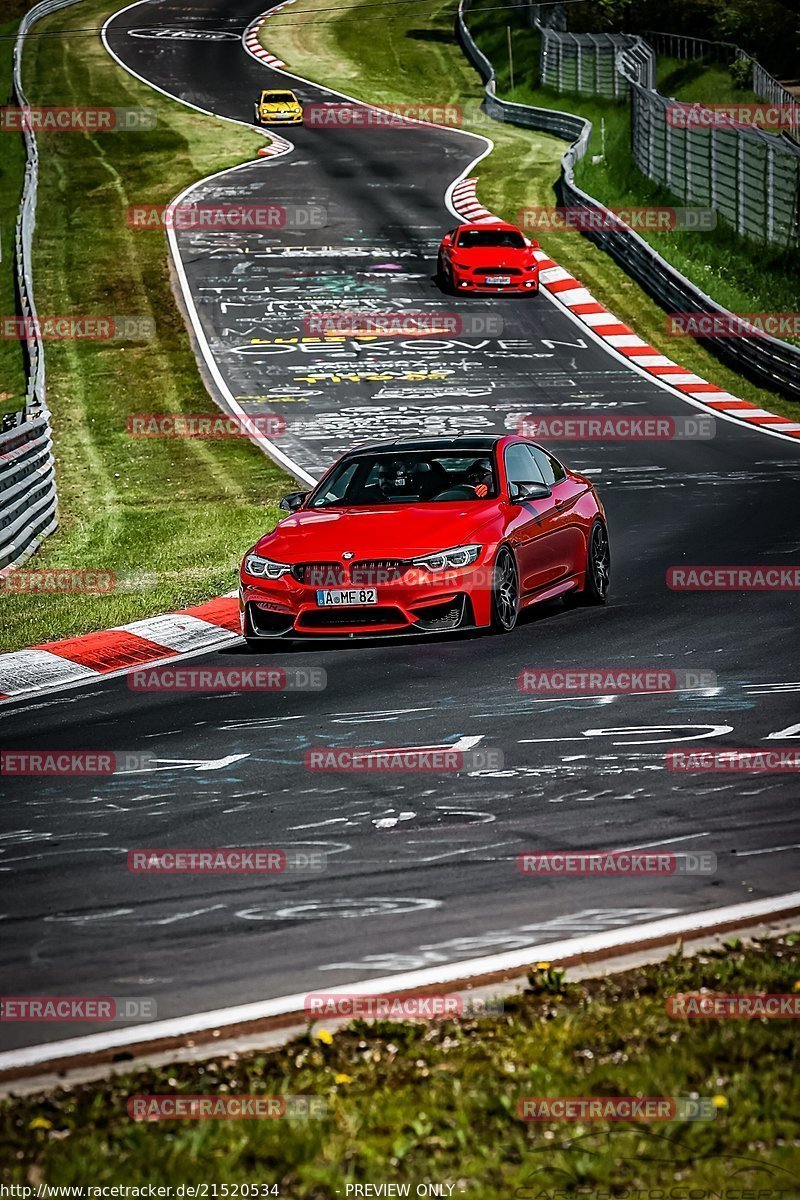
column 444, row 560
column 265, row 568
column 461, row 266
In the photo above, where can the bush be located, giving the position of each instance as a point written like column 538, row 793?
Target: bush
column 741, row 73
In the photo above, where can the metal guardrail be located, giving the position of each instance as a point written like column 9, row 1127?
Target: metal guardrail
column 681, row 45
column 768, row 361
column 27, row 489
column 28, row 504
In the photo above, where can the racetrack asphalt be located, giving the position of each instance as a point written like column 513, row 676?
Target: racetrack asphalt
column 420, row 868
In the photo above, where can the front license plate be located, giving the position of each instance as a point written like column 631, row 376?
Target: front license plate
column 497, row 279
column 336, row 597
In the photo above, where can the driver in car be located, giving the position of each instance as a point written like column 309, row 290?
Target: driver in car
column 479, row 477
column 396, row 479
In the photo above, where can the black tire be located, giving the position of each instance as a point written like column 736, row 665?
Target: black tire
column 598, row 567
column 505, row 591
column 441, row 276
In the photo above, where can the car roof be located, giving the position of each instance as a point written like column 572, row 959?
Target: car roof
column 470, row 443
column 486, row 225
column 275, row 91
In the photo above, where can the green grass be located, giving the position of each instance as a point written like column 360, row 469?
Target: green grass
column 409, row 1103
column 699, row 82
column 176, row 513
column 415, row 58
column 12, row 169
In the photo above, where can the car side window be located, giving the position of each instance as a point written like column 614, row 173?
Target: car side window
column 338, row 486
column 551, row 469
column 521, row 466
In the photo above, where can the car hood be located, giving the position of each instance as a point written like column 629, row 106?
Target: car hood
column 488, row 256
column 388, row 531
column 280, row 104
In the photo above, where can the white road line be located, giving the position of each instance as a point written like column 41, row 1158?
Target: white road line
column 607, row 942
column 767, row 850
column 689, row 837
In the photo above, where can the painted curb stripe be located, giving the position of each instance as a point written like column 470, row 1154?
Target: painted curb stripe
column 92, row 655
column 22, row 670
column 105, row 651
column 223, row 612
column 252, row 44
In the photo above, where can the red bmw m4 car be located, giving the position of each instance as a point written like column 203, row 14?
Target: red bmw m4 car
column 488, row 258
column 426, row 535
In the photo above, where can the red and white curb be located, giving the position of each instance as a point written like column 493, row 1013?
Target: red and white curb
column 466, row 202
column 52, row 665
column 251, row 41
column 580, row 302
column 277, row 146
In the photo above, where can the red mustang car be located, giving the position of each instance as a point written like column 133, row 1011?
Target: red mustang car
column 488, row 258
column 427, row 535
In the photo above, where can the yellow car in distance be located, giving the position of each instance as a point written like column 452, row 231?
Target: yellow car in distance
column 279, row 107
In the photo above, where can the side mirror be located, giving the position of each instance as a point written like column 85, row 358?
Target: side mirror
column 528, row 490
column 293, row 501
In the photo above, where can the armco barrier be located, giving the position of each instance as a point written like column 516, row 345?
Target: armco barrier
column 767, row 361
column 27, row 489
column 27, row 476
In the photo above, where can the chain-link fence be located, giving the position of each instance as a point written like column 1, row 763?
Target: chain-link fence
column 768, row 361
column 27, row 476
column 751, row 178
column 583, row 63
column 764, row 85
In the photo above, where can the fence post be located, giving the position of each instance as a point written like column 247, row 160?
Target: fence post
column 741, row 202
column 769, row 184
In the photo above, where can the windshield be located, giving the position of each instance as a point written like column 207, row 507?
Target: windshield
column 426, row 477
column 509, row 239
column 278, row 98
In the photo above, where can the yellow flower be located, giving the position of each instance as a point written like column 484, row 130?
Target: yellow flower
column 719, row 1101
column 543, row 966
column 796, row 987
column 325, row 1037
column 40, row 1123
column 342, row 1078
